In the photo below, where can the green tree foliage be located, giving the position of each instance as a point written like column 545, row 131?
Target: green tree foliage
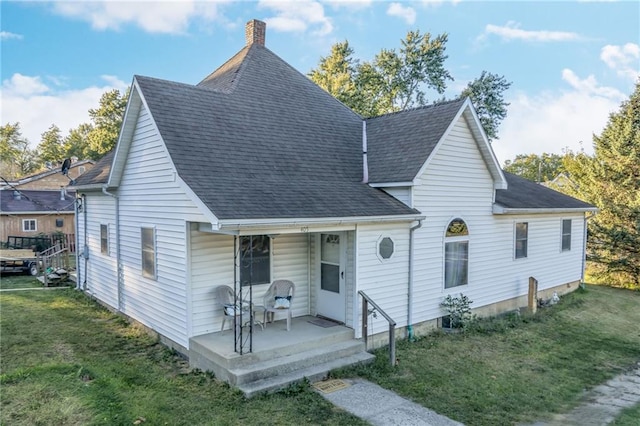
column 16, row 158
column 76, row 144
column 106, row 122
column 51, row 146
column 610, row 179
column 396, row 80
column 537, row 168
column 485, row 93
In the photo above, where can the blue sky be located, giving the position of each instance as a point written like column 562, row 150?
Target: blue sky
column 571, row 63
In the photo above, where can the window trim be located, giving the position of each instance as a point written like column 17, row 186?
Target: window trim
column 145, row 273
column 464, row 237
column 379, row 248
column 563, row 234
column 240, row 268
column 35, row 225
column 104, row 240
column 516, row 239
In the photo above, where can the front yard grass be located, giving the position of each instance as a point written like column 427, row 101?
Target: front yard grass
column 18, row 281
column 519, row 368
column 66, row 360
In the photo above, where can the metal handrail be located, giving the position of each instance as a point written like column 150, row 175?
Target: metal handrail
column 366, row 300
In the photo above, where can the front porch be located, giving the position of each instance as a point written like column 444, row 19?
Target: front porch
column 279, row 357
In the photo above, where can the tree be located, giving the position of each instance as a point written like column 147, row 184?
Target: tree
column 398, row 80
column 51, row 146
column 106, row 122
column 16, row 158
column 537, row 168
column 485, row 93
column 610, row 179
column 76, row 144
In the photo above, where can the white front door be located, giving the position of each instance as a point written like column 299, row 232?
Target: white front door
column 331, row 295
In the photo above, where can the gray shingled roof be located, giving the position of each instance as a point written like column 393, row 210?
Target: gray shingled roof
column 400, row 143
column 99, row 174
column 524, row 194
column 32, row 201
column 258, row 140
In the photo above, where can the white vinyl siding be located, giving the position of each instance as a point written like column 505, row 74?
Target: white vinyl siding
column 149, row 185
column 212, row 264
column 100, row 273
column 456, row 183
column 402, row 193
column 384, row 281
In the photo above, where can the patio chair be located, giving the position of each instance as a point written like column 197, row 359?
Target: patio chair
column 278, row 298
column 230, row 309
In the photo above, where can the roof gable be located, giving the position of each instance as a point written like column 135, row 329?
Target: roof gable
column 256, row 140
column 400, row 145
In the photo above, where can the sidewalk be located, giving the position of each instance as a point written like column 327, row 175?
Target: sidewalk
column 602, row 403
column 381, row 407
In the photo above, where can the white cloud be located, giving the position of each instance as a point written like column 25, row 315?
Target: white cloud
column 297, row 16
column 36, row 106
column 512, row 31
column 625, row 60
column 349, row 4
column 403, row 12
column 6, row 35
column 157, row 17
column 553, row 120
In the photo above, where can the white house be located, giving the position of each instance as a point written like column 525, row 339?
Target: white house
column 257, row 174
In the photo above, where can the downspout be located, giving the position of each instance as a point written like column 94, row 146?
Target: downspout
column 85, row 250
column 77, row 229
column 118, row 262
column 365, row 165
column 410, row 335
column 584, row 247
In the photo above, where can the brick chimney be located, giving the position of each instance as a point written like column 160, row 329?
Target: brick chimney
column 254, row 32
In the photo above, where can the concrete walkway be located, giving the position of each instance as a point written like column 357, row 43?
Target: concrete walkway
column 602, row 403
column 382, row 407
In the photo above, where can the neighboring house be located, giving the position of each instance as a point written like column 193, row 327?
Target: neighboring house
column 27, row 213
column 257, row 162
column 51, row 179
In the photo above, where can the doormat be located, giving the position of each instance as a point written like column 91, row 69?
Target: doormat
column 332, row 385
column 323, row 322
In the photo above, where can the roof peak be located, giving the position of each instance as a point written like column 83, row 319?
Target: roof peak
column 460, row 100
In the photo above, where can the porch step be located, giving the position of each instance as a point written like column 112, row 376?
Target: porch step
column 298, row 361
column 312, row 373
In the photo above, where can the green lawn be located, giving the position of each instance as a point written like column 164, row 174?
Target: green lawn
column 520, row 369
column 19, row 281
column 65, row 360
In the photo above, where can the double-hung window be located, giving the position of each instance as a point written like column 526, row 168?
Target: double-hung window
column 148, row 244
column 104, row 239
column 456, row 254
column 566, row 234
column 255, row 259
column 29, row 225
column 522, row 239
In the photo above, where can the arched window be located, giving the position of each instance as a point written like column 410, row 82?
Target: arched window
column 456, row 254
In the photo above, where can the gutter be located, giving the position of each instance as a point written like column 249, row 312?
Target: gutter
column 118, row 260
column 299, row 222
column 497, row 209
column 410, row 335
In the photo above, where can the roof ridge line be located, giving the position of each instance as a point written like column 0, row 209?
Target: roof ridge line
column 421, row 107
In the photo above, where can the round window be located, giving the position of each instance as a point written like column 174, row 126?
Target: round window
column 386, row 248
